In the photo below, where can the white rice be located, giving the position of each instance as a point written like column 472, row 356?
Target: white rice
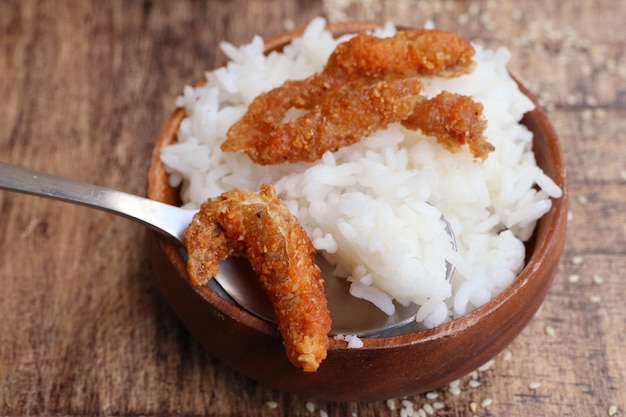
column 374, row 208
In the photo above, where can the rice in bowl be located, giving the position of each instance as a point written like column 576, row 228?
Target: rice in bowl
column 373, row 209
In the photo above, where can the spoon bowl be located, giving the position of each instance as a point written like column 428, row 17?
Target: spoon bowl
column 384, row 367
column 235, row 281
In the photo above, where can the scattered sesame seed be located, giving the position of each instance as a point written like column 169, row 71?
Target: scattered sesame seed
column 507, row 355
column 612, row 410
column 534, row 385
column 421, row 412
column 455, row 383
column 272, row 404
column 570, row 216
column 438, row 405
column 622, row 175
column 578, row 260
column 407, row 403
column 595, row 299
column 432, row 395
column 487, row 365
column 486, row 403
column 474, row 383
column 597, row 279
column 582, row 199
column 429, row 409
column 550, row 331
column 574, row 278
column 310, row 406
column 289, row 24
column 455, row 390
column 591, row 101
column 571, row 99
column 323, row 413
column 391, row 404
column 474, row 374
column 473, row 406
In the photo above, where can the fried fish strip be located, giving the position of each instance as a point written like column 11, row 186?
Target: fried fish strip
column 356, row 64
column 340, row 119
column 425, row 52
column 259, row 226
column 455, row 120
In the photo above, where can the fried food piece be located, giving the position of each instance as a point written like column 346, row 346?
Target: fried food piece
column 425, row 52
column 259, row 226
column 340, row 118
column 455, row 120
column 356, row 64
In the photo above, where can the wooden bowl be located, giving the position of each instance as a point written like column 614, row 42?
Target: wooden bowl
column 384, row 367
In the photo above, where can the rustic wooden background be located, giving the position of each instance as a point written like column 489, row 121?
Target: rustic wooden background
column 85, row 87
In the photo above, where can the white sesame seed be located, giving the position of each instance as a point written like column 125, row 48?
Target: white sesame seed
column 432, row 395
column 582, row 199
column 421, row 412
column 574, row 278
column 310, row 406
column 474, row 374
column 272, row 404
column 455, row 383
column 487, row 365
column 571, row 99
column 550, row 331
column 534, row 385
column 323, row 413
column 578, row 260
column 455, row 390
column 407, row 403
column 429, row 409
column 597, row 279
column 595, row 299
column 507, row 355
column 473, row 406
column 612, row 410
column 486, row 402
column 289, row 24
column 570, row 216
column 591, row 101
column 438, row 405
column 391, row 404
column 474, row 383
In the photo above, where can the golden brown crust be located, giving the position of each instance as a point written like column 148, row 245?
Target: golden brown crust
column 259, row 226
column 455, row 120
column 367, row 83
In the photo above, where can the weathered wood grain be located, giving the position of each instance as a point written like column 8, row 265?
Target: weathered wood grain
column 85, row 88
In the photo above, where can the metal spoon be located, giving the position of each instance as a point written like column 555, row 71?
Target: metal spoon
column 350, row 315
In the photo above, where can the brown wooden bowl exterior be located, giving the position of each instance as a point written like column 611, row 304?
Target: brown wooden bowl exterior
column 385, row 367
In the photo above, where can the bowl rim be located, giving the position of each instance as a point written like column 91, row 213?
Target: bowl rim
column 552, row 222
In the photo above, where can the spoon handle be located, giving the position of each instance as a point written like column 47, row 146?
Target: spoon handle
column 161, row 217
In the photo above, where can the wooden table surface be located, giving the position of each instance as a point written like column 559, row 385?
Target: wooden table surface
column 85, row 87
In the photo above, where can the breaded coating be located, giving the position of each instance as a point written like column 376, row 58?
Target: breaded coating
column 339, row 119
column 259, row 226
column 455, row 120
column 425, row 52
column 357, row 70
